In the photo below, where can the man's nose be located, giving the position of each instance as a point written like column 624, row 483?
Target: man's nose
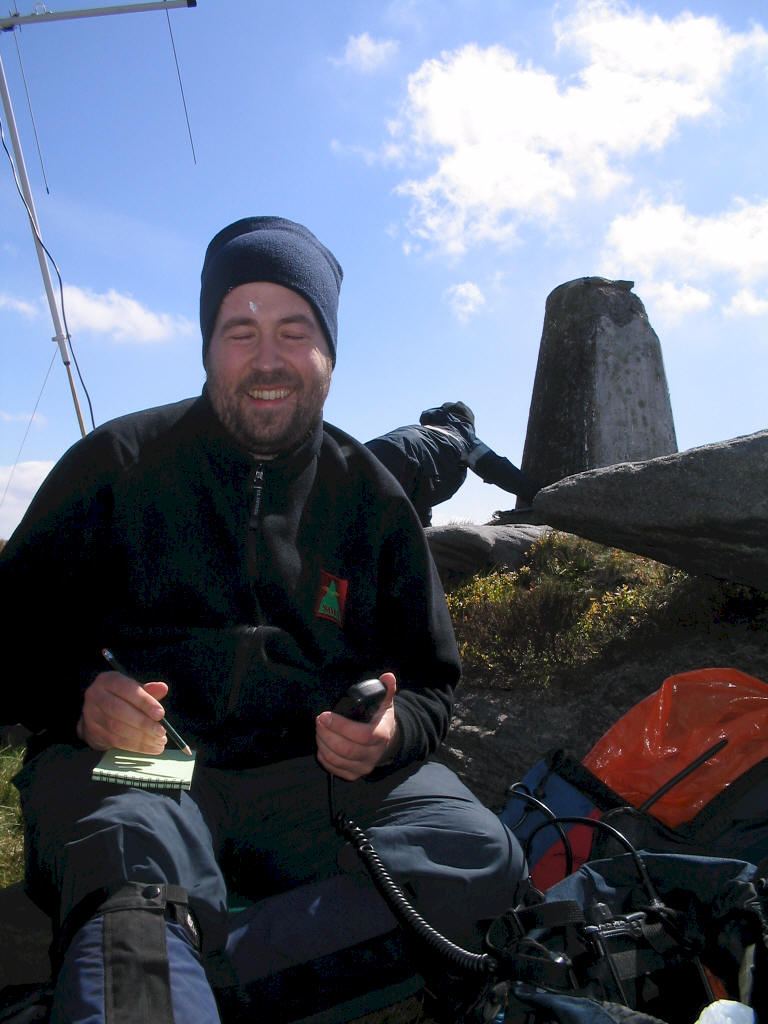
column 268, row 353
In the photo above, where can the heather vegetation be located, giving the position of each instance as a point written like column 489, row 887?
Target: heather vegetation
column 11, row 833
column 574, row 606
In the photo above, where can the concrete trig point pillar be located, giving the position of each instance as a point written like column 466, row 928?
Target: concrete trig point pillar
column 600, row 394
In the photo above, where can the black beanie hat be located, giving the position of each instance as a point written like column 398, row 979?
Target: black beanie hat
column 461, row 410
column 276, row 250
column 458, row 409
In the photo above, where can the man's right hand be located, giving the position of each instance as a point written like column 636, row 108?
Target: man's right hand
column 118, row 712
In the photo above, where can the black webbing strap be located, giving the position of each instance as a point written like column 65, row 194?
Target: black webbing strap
column 633, row 963
column 137, row 982
column 137, row 985
column 582, row 779
column 556, row 914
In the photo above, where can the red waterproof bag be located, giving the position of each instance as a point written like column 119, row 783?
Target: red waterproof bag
column 665, row 733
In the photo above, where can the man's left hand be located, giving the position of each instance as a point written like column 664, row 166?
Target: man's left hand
column 351, row 750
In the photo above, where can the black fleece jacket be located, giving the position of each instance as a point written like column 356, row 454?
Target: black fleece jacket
column 258, row 592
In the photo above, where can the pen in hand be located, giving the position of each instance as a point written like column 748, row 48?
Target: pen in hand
column 115, row 664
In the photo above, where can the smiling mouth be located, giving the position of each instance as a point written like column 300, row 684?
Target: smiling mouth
column 269, row 394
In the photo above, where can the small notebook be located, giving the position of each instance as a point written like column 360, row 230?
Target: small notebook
column 170, row 770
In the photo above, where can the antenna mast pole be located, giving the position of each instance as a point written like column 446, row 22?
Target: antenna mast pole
column 7, row 24
column 60, row 336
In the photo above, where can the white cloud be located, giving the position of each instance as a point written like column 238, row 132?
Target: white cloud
column 466, row 299
column 26, row 309
column 366, row 55
column 666, row 236
column 22, row 417
column 389, row 154
column 120, row 316
column 673, row 302
column 18, row 485
column 505, row 142
column 746, row 303
column 667, row 248
column 653, row 70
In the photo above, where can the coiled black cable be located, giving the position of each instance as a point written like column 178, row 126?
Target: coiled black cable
column 398, row 903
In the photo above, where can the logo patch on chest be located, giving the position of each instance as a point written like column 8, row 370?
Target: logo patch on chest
column 332, row 598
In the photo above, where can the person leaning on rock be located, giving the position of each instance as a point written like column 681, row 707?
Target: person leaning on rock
column 430, row 459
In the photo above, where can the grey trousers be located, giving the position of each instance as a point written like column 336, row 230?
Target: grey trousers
column 266, row 834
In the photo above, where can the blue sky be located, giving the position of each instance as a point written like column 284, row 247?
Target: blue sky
column 462, row 158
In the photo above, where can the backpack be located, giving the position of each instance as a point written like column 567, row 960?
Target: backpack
column 685, row 769
column 626, row 940
column 670, row 801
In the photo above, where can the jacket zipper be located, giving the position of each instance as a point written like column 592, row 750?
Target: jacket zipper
column 257, row 489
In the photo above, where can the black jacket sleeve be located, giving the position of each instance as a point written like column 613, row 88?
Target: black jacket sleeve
column 51, row 575
column 495, row 469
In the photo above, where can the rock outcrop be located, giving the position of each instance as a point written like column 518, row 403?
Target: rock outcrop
column 704, row 510
column 463, row 551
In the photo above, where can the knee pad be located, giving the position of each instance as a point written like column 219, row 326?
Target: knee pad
column 128, row 950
